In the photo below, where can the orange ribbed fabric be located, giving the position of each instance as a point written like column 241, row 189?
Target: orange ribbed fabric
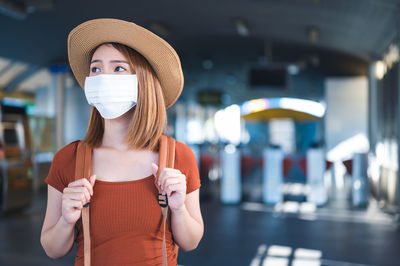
column 125, row 218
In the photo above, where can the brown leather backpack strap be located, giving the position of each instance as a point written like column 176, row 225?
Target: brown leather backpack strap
column 170, row 164
column 82, row 170
column 166, row 158
column 170, row 153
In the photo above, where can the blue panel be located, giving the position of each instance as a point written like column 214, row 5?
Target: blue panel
column 306, row 135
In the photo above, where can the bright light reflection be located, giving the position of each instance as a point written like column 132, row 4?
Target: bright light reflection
column 260, row 252
column 295, row 189
column 357, row 184
column 305, row 262
column 273, row 261
column 227, row 122
column 308, row 253
column 374, row 169
column 281, row 255
column 194, row 130
column 344, row 150
column 307, row 207
column 291, row 207
column 254, row 106
column 230, row 148
column 340, row 171
column 380, row 69
column 280, row 251
column 305, row 106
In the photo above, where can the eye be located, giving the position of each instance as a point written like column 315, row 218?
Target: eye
column 119, row 69
column 95, row 70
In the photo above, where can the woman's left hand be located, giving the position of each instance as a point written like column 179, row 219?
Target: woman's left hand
column 173, row 184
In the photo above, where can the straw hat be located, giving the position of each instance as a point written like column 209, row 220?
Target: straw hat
column 161, row 56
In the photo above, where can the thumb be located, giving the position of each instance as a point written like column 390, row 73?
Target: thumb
column 154, row 168
column 92, row 179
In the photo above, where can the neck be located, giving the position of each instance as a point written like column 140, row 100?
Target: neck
column 115, row 131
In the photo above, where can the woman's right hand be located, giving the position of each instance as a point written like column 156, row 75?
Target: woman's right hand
column 74, row 197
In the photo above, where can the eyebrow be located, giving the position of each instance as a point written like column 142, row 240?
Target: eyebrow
column 112, row 61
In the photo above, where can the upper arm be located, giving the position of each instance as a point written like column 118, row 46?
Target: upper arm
column 186, row 162
column 53, row 210
column 60, row 173
column 192, row 204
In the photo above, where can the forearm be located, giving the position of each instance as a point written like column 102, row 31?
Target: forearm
column 57, row 241
column 186, row 230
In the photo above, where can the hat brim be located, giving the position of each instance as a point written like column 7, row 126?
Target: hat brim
column 161, row 56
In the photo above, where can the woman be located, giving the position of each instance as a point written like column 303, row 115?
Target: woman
column 130, row 76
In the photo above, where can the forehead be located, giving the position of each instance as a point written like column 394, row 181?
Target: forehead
column 107, row 51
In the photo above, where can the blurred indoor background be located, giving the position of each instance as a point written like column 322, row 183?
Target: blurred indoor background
column 291, row 108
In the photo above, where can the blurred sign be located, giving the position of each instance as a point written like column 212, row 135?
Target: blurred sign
column 210, row 97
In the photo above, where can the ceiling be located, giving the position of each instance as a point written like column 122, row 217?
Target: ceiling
column 34, row 32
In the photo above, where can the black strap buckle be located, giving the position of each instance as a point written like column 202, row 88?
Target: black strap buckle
column 162, row 200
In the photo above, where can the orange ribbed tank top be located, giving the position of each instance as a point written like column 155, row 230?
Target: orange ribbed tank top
column 125, row 218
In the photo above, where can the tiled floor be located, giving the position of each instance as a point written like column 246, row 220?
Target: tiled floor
column 248, row 234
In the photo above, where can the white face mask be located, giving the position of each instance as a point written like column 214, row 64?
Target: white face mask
column 112, row 95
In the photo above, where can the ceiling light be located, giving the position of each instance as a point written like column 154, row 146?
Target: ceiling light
column 242, row 27
column 207, row 64
column 313, row 33
column 380, row 69
column 293, row 69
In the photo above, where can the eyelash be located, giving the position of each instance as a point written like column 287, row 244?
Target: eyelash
column 119, row 67
column 96, row 69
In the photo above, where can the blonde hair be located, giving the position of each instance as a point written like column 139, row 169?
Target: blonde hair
column 149, row 116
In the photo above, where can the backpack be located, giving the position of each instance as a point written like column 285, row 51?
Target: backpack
column 166, row 158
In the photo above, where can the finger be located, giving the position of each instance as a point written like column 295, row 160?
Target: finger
column 172, row 178
column 178, row 186
column 154, row 169
column 165, row 171
column 77, row 196
column 168, row 173
column 73, row 204
column 162, row 173
column 175, row 188
column 92, row 180
column 84, row 190
column 172, row 170
column 79, row 183
column 82, row 182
